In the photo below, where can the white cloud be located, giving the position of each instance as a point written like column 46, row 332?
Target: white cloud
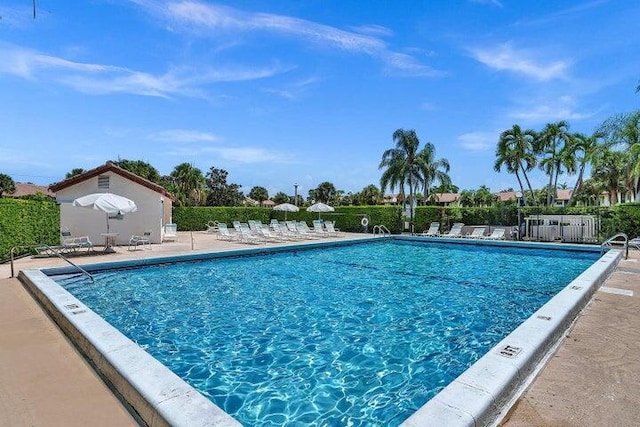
column 183, row 135
column 545, row 110
column 478, row 141
column 489, row 2
column 211, row 19
column 104, row 79
column 505, row 58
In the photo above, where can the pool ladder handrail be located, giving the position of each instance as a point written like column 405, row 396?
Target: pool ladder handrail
column 381, row 229
column 53, row 251
column 615, row 240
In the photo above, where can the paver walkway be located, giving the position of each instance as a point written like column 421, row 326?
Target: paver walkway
column 591, row 381
column 594, row 377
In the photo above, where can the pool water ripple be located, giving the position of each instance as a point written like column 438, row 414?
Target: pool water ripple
column 356, row 335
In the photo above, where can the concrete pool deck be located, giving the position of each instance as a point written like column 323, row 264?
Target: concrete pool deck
column 44, row 380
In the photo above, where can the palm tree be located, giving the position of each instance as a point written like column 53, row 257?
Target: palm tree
column 403, row 167
column 610, row 171
column 624, row 129
column 190, row 184
column 584, row 149
column 550, row 144
column 515, row 152
column 432, row 170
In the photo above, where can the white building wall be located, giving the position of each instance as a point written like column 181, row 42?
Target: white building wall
column 86, row 222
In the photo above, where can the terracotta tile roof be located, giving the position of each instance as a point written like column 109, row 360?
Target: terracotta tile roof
column 27, row 189
column 110, row 167
column 447, row 197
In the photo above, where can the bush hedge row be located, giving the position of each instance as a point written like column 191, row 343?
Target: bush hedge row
column 27, row 222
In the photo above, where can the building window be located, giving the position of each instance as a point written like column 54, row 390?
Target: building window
column 103, row 181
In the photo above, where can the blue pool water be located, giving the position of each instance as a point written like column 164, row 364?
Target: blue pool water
column 354, row 335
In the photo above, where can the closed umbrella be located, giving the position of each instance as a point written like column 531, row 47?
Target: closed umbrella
column 320, row 207
column 286, row 207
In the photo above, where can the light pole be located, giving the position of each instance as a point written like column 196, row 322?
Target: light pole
column 519, row 201
column 295, row 196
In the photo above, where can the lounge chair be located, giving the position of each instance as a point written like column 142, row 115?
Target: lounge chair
column 331, row 229
column 477, row 233
column 433, row 231
column 247, row 236
column 69, row 243
column 304, row 230
column 456, row 230
column 170, row 232
column 143, row 240
column 496, row 234
column 212, row 226
column 318, row 228
column 634, row 243
column 225, row 234
column 282, row 231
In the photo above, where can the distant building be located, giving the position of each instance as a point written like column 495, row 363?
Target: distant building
column 153, row 201
column 29, row 189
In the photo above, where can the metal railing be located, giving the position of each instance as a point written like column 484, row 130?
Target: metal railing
column 616, row 240
column 53, row 251
column 381, row 229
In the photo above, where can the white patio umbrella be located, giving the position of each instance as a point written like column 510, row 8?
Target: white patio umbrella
column 286, row 207
column 320, row 207
column 110, row 204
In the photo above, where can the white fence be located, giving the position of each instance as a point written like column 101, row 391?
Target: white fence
column 567, row 228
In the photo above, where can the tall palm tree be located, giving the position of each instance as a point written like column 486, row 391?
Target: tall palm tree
column 190, row 184
column 403, row 167
column 515, row 151
column 432, row 170
column 610, row 171
column 550, row 144
column 584, row 149
column 624, row 130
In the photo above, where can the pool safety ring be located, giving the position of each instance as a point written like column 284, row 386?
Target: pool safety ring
column 364, row 221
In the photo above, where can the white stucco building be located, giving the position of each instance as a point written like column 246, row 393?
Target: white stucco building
column 153, row 201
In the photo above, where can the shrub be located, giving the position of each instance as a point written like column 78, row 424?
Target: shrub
column 27, row 223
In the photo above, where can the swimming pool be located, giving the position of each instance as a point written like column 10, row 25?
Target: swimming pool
column 376, row 331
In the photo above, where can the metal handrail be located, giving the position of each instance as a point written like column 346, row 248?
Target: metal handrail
column 614, row 240
column 58, row 254
column 382, row 229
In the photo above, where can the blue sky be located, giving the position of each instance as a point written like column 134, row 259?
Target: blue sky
column 284, row 92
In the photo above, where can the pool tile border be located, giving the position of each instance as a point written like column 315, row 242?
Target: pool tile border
column 478, row 397
column 483, row 394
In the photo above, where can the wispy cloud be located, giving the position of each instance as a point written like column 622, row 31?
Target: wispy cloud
column 489, row 2
column 294, row 90
column 505, row 57
column 544, row 110
column 211, row 19
column 563, row 14
column 105, row 79
column 477, row 141
column 183, row 135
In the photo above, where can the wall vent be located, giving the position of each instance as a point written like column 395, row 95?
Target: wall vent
column 103, row 181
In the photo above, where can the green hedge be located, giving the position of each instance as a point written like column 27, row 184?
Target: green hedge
column 347, row 218
column 27, row 222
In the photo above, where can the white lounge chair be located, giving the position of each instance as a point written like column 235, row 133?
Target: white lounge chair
column 304, row 230
column 212, row 226
column 225, row 234
column 433, row 231
column 69, row 243
column 170, row 232
column 318, row 228
column 143, row 240
column 247, row 236
column 496, row 234
column 477, row 233
column 456, row 230
column 331, row 229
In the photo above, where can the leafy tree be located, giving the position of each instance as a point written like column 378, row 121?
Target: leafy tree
column 259, row 193
column 7, row 185
column 140, row 168
column 624, row 130
column 483, row 197
column 325, row 193
column 585, row 149
column 432, row 170
column 370, row 195
column 609, row 171
column 466, row 199
column 190, row 185
column 280, row 197
column 552, row 144
column 403, row 166
column 74, row 172
column 445, row 188
column 515, row 151
column 220, row 192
